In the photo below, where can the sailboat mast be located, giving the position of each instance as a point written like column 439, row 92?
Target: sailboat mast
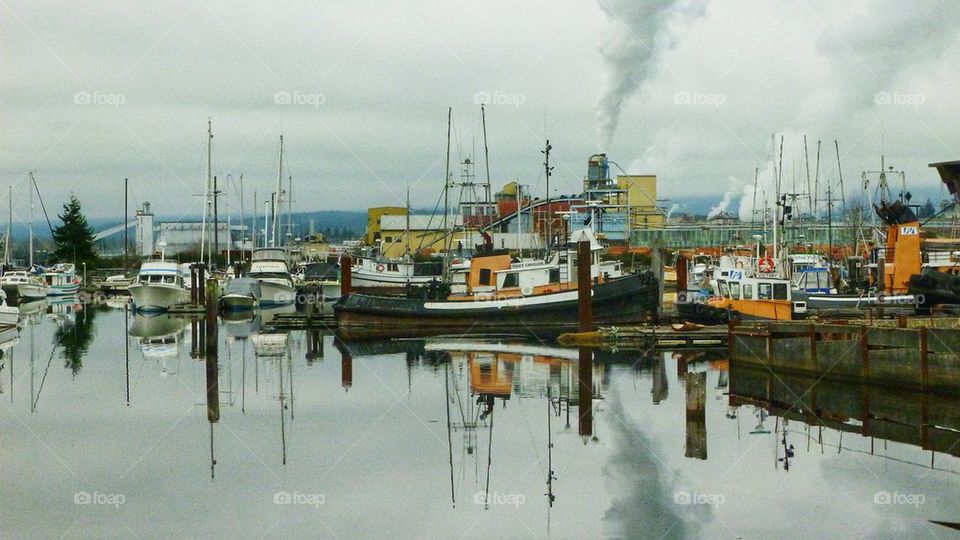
column 289, row 209
column 30, row 227
column 243, row 220
column 446, row 195
column 204, row 237
column 273, row 237
column 407, row 227
column 6, row 247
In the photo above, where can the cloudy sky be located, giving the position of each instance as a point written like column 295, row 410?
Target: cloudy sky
column 691, row 91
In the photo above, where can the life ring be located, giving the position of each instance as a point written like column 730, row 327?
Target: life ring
column 765, row 265
column 379, row 268
column 739, row 264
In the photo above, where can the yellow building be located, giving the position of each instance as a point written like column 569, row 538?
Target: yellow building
column 642, row 198
column 426, row 234
column 374, row 217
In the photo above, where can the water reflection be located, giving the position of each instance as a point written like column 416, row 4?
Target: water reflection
column 445, row 437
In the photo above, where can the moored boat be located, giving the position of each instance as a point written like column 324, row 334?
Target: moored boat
column 514, row 295
column 158, row 285
column 241, row 294
column 22, row 286
column 61, row 280
column 269, row 267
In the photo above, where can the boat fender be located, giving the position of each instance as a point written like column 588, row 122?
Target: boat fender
column 379, row 268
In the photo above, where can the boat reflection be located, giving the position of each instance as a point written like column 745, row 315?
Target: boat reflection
column 159, row 337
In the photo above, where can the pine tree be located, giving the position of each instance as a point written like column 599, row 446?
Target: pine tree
column 73, row 240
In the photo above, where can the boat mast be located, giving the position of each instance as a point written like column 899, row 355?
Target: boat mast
column 407, row 227
column 6, row 247
column 243, row 220
column 273, row 238
column 547, row 168
column 204, row 238
column 30, row 223
column 446, row 195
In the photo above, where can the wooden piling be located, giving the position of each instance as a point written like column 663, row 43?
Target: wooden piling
column 696, row 387
column 682, row 278
column 585, row 393
column 584, row 286
column 345, row 276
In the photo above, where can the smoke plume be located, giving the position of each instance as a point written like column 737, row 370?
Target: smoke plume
column 642, row 30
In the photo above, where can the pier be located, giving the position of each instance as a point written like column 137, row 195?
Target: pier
column 916, row 354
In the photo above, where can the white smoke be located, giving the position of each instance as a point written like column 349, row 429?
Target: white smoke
column 672, row 209
column 724, row 203
column 642, row 30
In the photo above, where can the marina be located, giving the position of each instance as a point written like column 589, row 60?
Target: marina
column 604, row 269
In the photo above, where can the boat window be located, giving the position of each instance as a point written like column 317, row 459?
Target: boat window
column 511, row 280
column 484, row 276
column 780, row 291
column 735, row 290
column 724, row 291
column 554, row 275
column 764, row 291
column 393, row 267
column 747, row 291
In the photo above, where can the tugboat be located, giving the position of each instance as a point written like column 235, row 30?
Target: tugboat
column 504, row 294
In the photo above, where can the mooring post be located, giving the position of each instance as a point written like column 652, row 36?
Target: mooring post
column 696, row 387
column 585, row 393
column 193, row 284
column 201, row 277
column 681, row 279
column 584, row 286
column 345, row 276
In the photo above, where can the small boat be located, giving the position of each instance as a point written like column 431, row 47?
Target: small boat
column 686, row 326
column 158, row 285
column 269, row 267
column 9, row 316
column 323, row 279
column 241, row 294
column 388, row 274
column 22, row 286
column 61, row 280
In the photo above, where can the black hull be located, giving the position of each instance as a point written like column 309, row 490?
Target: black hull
column 624, row 300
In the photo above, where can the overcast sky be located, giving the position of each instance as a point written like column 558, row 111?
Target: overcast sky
column 690, row 91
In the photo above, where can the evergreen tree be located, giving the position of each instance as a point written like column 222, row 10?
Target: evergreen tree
column 73, row 241
column 928, row 210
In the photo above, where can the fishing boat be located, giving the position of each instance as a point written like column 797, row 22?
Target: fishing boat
column 61, row 280
column 22, row 286
column 502, row 293
column 158, row 285
column 241, row 294
column 269, row 267
column 387, row 274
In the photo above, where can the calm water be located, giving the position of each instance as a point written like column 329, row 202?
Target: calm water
column 106, row 432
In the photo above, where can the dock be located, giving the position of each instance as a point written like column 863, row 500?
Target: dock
column 918, row 354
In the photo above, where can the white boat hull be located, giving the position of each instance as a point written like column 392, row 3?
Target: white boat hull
column 276, row 294
column 25, row 290
column 63, row 290
column 361, row 278
column 9, row 316
column 157, row 297
column 238, row 302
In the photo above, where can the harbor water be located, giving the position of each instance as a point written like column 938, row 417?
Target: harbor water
column 116, row 425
